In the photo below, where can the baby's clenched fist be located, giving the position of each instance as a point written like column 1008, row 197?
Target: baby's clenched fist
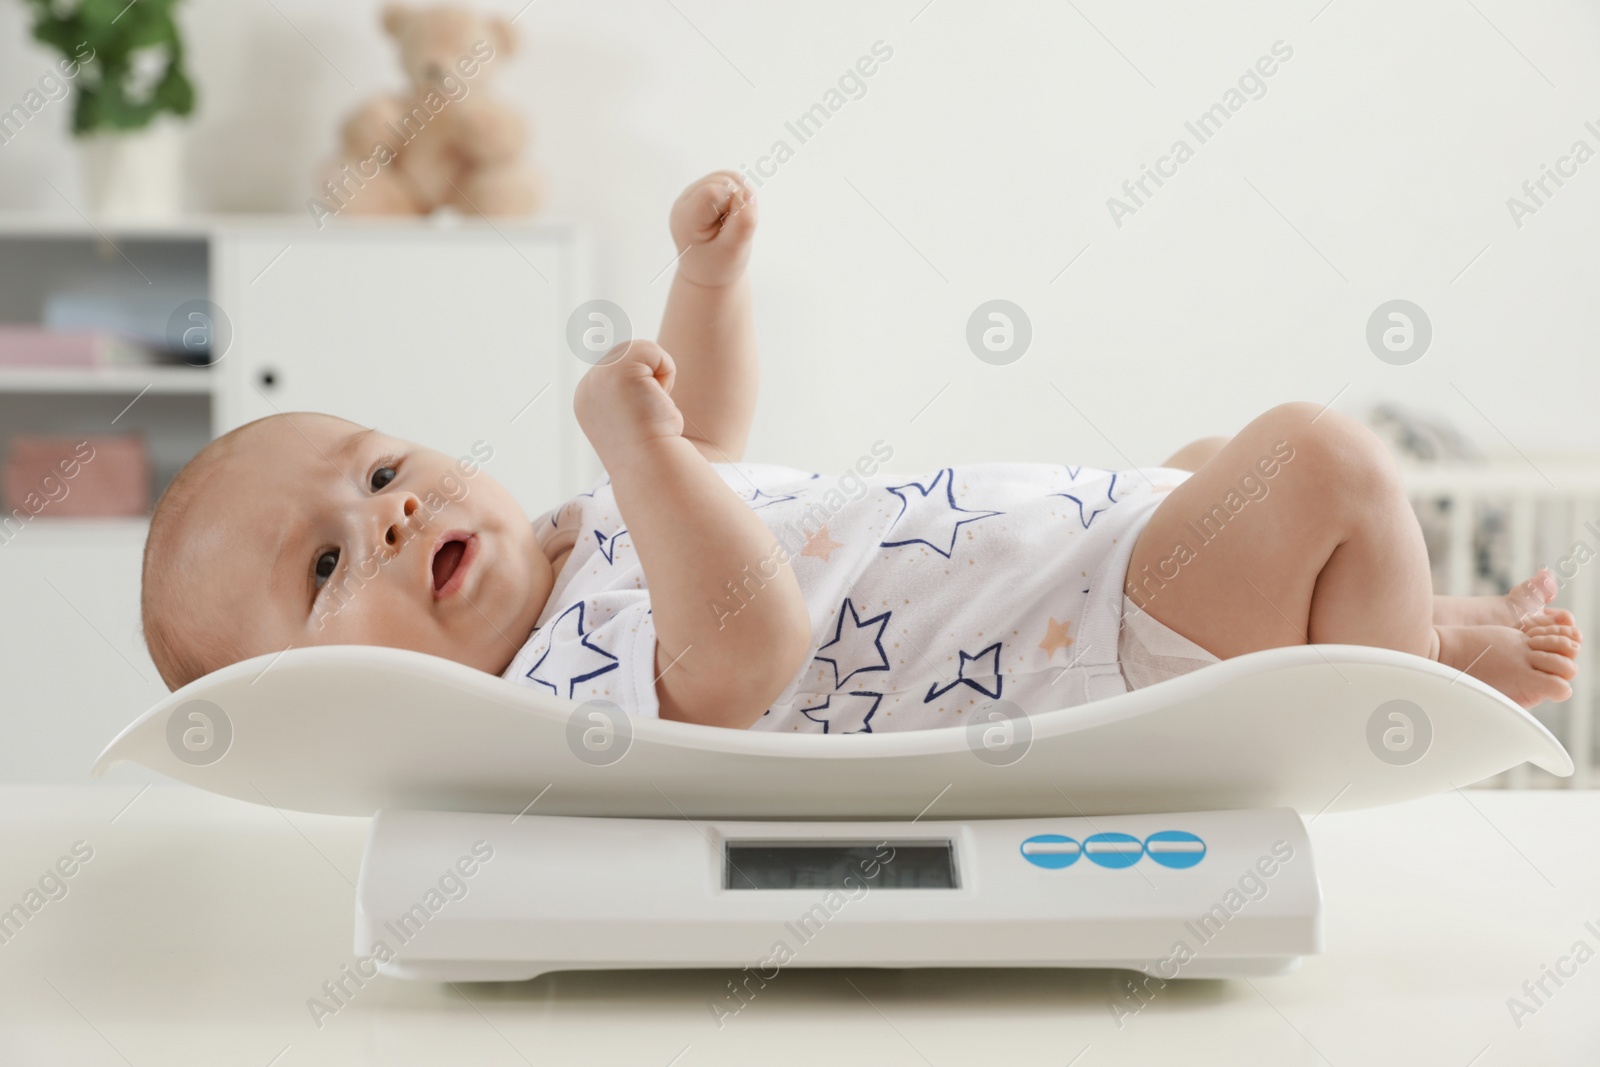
column 623, row 401
column 712, row 224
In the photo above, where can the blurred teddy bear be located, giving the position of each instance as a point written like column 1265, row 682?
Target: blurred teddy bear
column 446, row 142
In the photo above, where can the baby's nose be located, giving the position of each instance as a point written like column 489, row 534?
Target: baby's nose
column 394, row 531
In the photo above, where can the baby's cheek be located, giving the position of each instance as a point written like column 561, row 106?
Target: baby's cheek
column 349, row 620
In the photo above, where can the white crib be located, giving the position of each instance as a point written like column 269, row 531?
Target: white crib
column 1491, row 524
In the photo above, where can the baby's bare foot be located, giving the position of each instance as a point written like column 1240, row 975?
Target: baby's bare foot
column 1528, row 665
column 1529, row 600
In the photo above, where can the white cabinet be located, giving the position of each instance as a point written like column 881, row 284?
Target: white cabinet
column 446, row 337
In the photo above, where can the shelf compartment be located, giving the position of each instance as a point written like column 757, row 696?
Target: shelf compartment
column 130, row 380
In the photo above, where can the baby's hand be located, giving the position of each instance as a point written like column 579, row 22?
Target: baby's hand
column 712, row 224
column 623, row 401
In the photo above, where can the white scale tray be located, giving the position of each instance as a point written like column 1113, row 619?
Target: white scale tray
column 351, row 730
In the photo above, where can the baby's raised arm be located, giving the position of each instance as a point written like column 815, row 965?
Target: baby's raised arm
column 693, row 535
column 708, row 325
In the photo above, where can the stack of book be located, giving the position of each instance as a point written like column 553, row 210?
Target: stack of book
column 38, row 346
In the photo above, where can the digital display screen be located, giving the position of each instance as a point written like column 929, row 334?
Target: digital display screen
column 925, row 864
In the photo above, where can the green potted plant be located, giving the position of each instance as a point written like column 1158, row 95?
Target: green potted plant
column 125, row 63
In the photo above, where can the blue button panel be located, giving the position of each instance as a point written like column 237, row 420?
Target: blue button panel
column 1114, row 850
column 1051, row 851
column 1177, row 849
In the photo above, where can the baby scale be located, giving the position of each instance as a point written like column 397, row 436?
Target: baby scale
column 516, row 833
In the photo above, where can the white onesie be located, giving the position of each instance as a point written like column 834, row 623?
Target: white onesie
column 932, row 596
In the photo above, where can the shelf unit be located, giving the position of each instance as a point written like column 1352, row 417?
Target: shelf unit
column 441, row 331
column 145, row 268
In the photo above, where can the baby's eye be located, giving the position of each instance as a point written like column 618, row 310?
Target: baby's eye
column 382, row 477
column 325, row 565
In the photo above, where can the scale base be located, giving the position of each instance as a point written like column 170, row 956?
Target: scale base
column 513, row 971
column 461, row 897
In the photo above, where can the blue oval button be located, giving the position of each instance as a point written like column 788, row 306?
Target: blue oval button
column 1051, row 851
column 1113, row 849
column 1175, row 848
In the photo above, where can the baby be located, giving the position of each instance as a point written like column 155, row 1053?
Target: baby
column 699, row 588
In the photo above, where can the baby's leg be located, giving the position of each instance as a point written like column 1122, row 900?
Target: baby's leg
column 1328, row 552
column 1192, row 456
column 1325, row 550
column 1525, row 606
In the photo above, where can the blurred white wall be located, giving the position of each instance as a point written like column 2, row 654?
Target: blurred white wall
column 978, row 165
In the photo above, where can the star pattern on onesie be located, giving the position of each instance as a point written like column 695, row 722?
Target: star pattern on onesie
column 1055, row 636
column 1084, row 515
column 934, row 511
column 590, row 494
column 821, row 545
column 603, row 661
column 838, row 710
column 759, row 499
column 935, row 690
column 608, row 545
column 860, row 647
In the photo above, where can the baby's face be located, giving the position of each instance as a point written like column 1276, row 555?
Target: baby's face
column 320, row 532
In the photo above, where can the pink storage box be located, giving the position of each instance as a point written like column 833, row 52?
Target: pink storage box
column 95, row 475
column 37, row 346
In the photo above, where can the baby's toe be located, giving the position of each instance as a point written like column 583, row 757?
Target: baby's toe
column 1550, row 639
column 1553, row 663
column 1564, row 629
column 1560, row 617
column 1553, row 689
column 1552, row 617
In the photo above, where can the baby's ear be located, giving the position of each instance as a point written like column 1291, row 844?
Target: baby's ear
column 505, row 38
column 394, row 18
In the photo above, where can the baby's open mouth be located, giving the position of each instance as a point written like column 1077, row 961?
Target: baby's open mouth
column 451, row 558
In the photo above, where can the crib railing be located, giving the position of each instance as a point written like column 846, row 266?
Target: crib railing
column 1489, row 526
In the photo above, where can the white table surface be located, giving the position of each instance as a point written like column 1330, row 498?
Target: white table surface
column 201, row 926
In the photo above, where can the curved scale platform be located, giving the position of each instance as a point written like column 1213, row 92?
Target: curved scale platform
column 349, row 730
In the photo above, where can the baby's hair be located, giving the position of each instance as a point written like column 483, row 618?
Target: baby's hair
column 182, row 653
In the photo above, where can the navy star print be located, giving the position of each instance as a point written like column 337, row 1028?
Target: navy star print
column 766, row 503
column 602, row 656
column 934, row 509
column 1086, row 517
column 609, row 552
column 859, row 649
column 590, row 494
column 858, row 711
column 935, row 691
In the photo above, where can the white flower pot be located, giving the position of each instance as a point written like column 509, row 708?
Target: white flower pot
column 134, row 175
